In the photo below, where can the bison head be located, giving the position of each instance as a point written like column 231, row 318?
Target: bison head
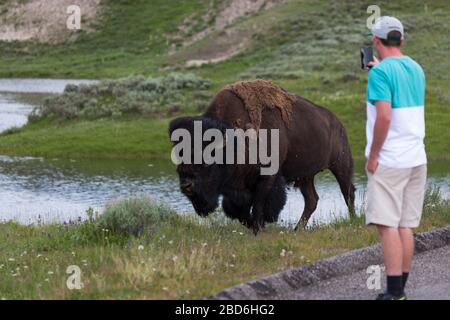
column 200, row 182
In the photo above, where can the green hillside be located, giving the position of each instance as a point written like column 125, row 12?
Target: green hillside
column 309, row 47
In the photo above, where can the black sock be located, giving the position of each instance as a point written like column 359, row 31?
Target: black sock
column 405, row 278
column 395, row 285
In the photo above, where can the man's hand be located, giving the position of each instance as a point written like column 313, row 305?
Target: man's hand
column 372, row 164
column 374, row 62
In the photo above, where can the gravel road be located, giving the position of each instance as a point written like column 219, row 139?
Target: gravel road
column 429, row 279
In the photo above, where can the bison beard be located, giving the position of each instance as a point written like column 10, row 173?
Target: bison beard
column 237, row 205
column 312, row 139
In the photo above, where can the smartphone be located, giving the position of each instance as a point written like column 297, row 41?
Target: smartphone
column 366, row 57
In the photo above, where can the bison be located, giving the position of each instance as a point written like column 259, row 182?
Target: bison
column 311, row 139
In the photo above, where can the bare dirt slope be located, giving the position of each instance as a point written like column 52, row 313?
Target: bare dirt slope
column 226, row 39
column 43, row 20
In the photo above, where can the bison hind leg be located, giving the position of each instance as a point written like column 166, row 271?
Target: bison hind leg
column 343, row 171
column 276, row 200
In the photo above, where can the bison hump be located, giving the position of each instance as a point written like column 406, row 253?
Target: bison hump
column 260, row 94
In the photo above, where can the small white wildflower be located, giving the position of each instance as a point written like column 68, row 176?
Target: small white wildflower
column 11, row 259
column 50, row 272
column 241, row 233
column 283, row 253
column 282, row 232
column 39, row 255
column 140, row 247
column 171, row 241
column 204, row 244
column 165, row 288
column 15, row 274
column 174, row 258
column 47, row 280
column 234, row 231
column 231, row 265
column 25, row 267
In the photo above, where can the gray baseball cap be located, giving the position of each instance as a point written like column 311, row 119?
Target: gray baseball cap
column 384, row 25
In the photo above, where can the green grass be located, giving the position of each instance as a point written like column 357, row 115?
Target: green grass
column 170, row 256
column 124, row 138
column 314, row 54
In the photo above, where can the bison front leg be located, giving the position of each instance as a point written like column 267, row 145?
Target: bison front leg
column 263, row 188
column 240, row 211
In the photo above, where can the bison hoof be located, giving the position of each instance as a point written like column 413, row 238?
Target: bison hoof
column 257, row 226
column 301, row 225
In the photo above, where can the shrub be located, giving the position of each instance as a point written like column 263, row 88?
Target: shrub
column 135, row 95
column 135, row 215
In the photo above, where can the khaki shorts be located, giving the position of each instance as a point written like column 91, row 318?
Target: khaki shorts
column 395, row 196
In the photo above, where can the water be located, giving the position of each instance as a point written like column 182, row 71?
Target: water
column 18, row 97
column 33, row 189
column 38, row 85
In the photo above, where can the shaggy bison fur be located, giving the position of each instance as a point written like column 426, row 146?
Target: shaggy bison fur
column 311, row 141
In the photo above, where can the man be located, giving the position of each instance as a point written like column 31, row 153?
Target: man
column 396, row 159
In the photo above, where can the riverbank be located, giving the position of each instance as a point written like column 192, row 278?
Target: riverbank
column 139, row 249
column 128, row 118
column 125, row 138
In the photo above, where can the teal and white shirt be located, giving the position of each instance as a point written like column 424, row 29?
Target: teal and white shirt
column 400, row 81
